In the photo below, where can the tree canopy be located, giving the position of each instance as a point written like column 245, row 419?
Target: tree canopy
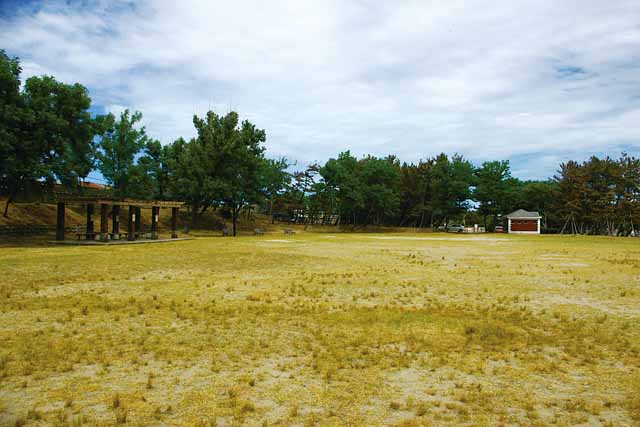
column 46, row 130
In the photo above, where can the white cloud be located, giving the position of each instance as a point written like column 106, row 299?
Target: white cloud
column 536, row 82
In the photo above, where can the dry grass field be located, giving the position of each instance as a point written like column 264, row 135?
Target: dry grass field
column 323, row 330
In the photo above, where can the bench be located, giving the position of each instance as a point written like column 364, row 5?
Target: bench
column 289, row 231
column 227, row 232
column 258, row 231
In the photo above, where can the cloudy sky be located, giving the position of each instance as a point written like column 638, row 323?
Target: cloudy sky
column 536, row 82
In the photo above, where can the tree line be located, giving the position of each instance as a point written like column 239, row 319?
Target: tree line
column 48, row 135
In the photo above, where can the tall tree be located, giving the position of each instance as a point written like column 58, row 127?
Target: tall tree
column 415, row 192
column 379, row 180
column 62, row 127
column 19, row 157
column 570, row 199
column 155, row 163
column 275, row 180
column 118, row 150
column 191, row 176
column 47, row 130
column 341, row 177
column 451, row 183
column 629, row 193
column 495, row 190
column 226, row 160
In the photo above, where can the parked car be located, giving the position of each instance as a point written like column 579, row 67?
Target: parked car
column 499, row 229
column 455, row 228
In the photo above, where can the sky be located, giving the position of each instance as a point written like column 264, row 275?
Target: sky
column 534, row 82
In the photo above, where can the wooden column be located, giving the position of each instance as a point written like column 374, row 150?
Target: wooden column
column 174, row 222
column 90, row 210
column 104, row 222
column 155, row 213
column 138, row 220
column 132, row 223
column 115, row 221
column 60, row 222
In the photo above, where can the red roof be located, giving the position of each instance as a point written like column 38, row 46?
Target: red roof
column 93, row 185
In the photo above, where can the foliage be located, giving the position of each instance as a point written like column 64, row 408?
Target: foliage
column 46, row 131
column 275, row 179
column 451, row 187
column 128, row 159
column 599, row 196
column 495, row 190
column 223, row 166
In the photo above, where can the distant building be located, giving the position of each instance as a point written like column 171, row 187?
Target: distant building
column 93, row 185
column 523, row 222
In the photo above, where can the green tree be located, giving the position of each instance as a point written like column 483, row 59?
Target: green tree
column 46, row 129
column 451, row 187
column 379, row 181
column 118, row 155
column 340, row 177
column 496, row 190
column 223, row 166
column 155, row 164
column 190, row 176
column 62, row 127
column 415, row 192
column 275, row 180
column 629, row 193
column 19, row 157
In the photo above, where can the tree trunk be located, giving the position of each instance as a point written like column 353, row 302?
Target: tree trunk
column 6, row 208
column 271, row 209
column 234, row 218
column 194, row 215
column 10, row 199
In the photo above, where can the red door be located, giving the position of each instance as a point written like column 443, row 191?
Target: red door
column 524, row 225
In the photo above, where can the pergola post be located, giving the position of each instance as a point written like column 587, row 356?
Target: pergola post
column 115, row 221
column 174, row 222
column 132, row 223
column 90, row 210
column 155, row 213
column 104, row 222
column 138, row 221
column 60, row 222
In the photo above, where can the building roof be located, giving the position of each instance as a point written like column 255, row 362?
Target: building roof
column 93, row 185
column 522, row 214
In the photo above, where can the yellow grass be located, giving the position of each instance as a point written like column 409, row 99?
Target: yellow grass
column 320, row 329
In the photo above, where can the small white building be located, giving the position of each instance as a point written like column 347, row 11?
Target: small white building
column 523, row 222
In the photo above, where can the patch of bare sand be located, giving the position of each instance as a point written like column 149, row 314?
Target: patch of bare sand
column 545, row 299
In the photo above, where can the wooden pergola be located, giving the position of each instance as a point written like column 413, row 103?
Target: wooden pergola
column 110, row 208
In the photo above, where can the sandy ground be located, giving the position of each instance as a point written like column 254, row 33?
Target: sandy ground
column 327, row 330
